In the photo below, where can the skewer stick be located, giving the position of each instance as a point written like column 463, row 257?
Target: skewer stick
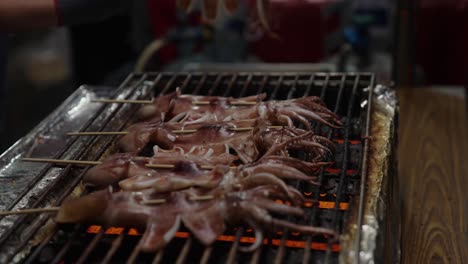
column 92, row 163
column 111, row 133
column 185, row 131
column 122, row 101
column 114, row 133
column 194, row 198
column 58, row 161
column 240, row 103
column 31, row 211
column 56, row 209
column 170, row 166
column 153, row 202
column 202, row 198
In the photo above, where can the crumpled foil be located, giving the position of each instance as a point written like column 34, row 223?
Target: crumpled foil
column 380, row 229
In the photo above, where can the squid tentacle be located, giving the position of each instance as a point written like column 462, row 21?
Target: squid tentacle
column 258, row 238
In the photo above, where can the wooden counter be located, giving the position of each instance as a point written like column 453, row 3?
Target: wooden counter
column 433, row 177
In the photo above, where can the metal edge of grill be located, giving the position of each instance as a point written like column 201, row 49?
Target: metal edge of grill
column 248, row 79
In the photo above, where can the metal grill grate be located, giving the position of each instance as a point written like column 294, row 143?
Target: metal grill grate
column 346, row 94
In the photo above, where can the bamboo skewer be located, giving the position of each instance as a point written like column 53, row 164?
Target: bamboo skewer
column 153, row 202
column 121, row 101
column 111, row 133
column 58, row 161
column 239, row 103
column 194, row 198
column 31, row 211
column 184, row 131
column 170, row 166
column 187, row 131
column 200, row 198
column 93, row 163
column 56, row 209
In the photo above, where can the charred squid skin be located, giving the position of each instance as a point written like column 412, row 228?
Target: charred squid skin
column 310, row 145
column 284, row 145
column 262, row 216
column 263, row 178
column 273, row 192
column 71, row 212
column 147, row 111
column 316, row 106
column 314, row 116
column 312, row 100
column 284, row 120
column 282, row 171
column 326, row 141
column 322, row 110
column 309, row 230
column 258, row 238
column 304, row 166
column 152, row 241
column 95, row 177
column 241, row 154
column 296, row 197
column 293, row 115
column 160, row 105
column 277, row 208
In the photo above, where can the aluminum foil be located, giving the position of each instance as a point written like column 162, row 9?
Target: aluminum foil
column 45, row 140
column 21, row 182
column 380, row 229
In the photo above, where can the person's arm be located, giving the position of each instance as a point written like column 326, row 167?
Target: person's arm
column 30, row 14
column 26, row 14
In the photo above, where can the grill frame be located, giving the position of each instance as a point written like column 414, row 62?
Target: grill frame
column 135, row 94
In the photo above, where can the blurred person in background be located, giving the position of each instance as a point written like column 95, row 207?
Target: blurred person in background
column 107, row 36
column 17, row 16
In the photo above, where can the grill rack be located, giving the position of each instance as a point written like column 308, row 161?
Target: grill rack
column 241, row 84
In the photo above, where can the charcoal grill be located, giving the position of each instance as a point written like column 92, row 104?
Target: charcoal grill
column 343, row 194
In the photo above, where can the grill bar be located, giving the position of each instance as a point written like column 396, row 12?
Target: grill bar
column 200, row 84
column 277, row 87
column 115, row 246
column 185, row 250
column 216, row 83
column 67, row 245
column 256, row 256
column 364, row 172
column 158, row 257
column 316, row 190
column 233, row 250
column 169, row 84
column 281, row 250
column 134, row 256
column 246, row 84
column 344, row 167
column 264, row 83
column 36, row 252
column 206, row 255
column 97, row 238
column 230, row 85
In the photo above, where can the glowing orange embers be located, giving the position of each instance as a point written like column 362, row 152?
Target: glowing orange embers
column 94, row 229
